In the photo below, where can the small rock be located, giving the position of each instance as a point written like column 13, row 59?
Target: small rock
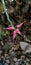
column 23, row 45
column 7, row 61
column 5, row 64
column 15, row 59
column 0, row 51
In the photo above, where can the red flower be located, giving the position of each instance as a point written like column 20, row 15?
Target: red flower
column 16, row 31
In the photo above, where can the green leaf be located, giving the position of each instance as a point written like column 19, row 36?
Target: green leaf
column 1, row 7
column 17, row 36
column 4, row 47
column 2, row 33
column 29, row 38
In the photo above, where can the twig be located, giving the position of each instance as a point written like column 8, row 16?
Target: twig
column 6, row 13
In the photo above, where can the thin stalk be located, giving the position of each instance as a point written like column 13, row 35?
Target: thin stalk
column 5, row 10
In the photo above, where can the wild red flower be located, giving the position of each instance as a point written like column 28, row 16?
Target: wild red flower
column 16, row 31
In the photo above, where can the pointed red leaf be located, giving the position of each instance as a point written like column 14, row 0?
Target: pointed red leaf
column 14, row 34
column 9, row 28
column 19, row 25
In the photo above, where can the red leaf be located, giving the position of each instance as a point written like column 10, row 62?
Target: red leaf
column 19, row 25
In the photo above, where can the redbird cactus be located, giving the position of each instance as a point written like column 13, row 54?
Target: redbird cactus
column 16, row 31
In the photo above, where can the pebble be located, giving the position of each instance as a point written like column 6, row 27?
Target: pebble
column 15, row 59
column 0, row 63
column 0, row 51
column 7, row 61
column 5, row 64
column 25, row 47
